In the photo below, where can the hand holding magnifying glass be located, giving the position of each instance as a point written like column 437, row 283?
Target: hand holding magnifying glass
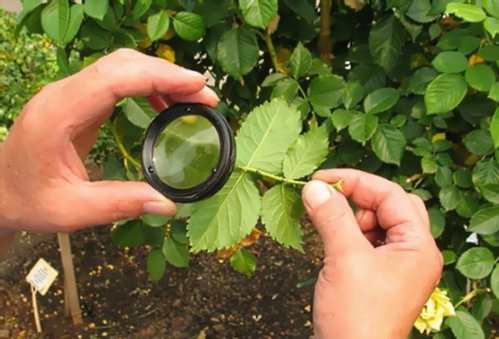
column 43, row 183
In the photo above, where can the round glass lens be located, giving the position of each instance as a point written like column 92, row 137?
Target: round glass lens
column 187, row 152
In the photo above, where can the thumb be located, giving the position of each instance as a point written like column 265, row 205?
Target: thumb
column 333, row 217
column 108, row 201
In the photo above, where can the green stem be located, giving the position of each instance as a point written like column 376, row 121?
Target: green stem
column 121, row 147
column 267, row 175
column 270, row 47
column 468, row 297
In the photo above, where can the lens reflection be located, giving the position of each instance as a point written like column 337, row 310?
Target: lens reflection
column 187, row 152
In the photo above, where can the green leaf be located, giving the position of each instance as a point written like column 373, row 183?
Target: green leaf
column 95, row 37
column 489, row 52
column 429, row 165
column 341, row 118
column 419, row 11
column 226, row 218
column 307, row 153
column 237, row 51
column 449, row 197
column 286, row 89
column 381, row 100
column 450, row 62
column 302, row 8
column 258, row 13
column 476, row 263
column 129, row 234
column 462, row 178
column 189, row 26
column 467, row 12
column 175, row 253
column 138, row 111
column 156, row 265
column 486, row 178
column 494, row 281
column 140, row 8
column 155, row 220
column 362, row 127
column 494, row 92
column 157, row 25
column 492, row 26
column 480, row 77
column 386, row 40
column 243, row 262
column 479, row 142
column 445, row 93
column 273, row 79
column 96, row 8
column 55, row 20
column 485, row 221
column 300, row 61
column 75, row 20
column 449, row 257
column 325, row 93
column 492, row 7
column 388, row 144
column 420, row 80
column 266, row 135
column 464, row 326
column 494, row 128
column 282, row 210
column 354, row 92
column 437, row 220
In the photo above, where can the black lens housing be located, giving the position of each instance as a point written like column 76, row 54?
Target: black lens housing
column 221, row 172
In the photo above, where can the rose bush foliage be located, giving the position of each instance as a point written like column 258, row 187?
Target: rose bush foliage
column 406, row 89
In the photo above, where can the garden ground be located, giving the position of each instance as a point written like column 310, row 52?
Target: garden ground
column 208, row 300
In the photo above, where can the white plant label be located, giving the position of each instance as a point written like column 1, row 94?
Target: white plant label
column 41, row 276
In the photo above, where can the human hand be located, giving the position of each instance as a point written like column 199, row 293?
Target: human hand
column 44, row 185
column 381, row 263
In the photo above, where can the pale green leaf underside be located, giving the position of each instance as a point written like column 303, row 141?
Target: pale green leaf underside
column 227, row 217
column 266, row 135
column 308, row 152
column 281, row 212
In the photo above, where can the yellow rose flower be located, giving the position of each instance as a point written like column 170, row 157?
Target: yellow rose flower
column 434, row 311
column 166, row 52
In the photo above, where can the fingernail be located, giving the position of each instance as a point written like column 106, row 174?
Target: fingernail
column 159, row 208
column 316, row 193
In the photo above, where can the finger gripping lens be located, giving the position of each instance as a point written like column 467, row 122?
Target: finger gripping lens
column 188, row 152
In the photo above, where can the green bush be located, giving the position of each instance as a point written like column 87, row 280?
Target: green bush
column 406, row 89
column 27, row 62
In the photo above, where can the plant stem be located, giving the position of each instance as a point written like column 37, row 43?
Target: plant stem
column 468, row 297
column 127, row 156
column 325, row 45
column 273, row 55
column 336, row 186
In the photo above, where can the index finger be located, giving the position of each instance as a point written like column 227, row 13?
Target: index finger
column 387, row 199
column 90, row 95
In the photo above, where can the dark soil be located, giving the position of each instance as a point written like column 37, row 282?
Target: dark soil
column 207, row 300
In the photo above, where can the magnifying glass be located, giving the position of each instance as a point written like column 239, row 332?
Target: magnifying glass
column 188, row 153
